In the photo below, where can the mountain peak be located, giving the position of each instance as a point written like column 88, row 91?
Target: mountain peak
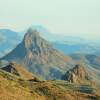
column 32, row 32
column 31, row 37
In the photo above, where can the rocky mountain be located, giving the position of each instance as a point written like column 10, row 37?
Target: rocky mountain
column 39, row 57
column 78, row 74
column 8, row 41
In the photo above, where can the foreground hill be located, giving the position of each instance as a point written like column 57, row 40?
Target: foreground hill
column 39, row 57
column 20, row 71
column 13, row 87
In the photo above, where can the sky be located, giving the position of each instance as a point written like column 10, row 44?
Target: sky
column 70, row 17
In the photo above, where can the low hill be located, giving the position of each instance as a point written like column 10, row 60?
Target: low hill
column 20, row 71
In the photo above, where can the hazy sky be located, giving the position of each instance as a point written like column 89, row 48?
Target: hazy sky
column 78, row 17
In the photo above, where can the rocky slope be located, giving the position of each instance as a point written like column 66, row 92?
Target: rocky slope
column 39, row 57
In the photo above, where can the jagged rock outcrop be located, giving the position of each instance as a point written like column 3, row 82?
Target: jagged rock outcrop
column 78, row 74
column 39, row 57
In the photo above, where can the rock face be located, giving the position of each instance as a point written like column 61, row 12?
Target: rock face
column 39, row 57
column 11, row 69
column 78, row 74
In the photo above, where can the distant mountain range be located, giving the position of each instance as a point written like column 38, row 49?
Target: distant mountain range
column 8, row 41
column 90, row 59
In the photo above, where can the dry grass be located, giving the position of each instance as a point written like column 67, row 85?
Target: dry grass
column 15, row 88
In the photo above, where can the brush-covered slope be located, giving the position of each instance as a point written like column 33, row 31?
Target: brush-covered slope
column 39, row 57
column 20, row 71
column 13, row 87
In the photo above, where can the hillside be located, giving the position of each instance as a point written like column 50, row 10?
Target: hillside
column 13, row 87
column 20, row 71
